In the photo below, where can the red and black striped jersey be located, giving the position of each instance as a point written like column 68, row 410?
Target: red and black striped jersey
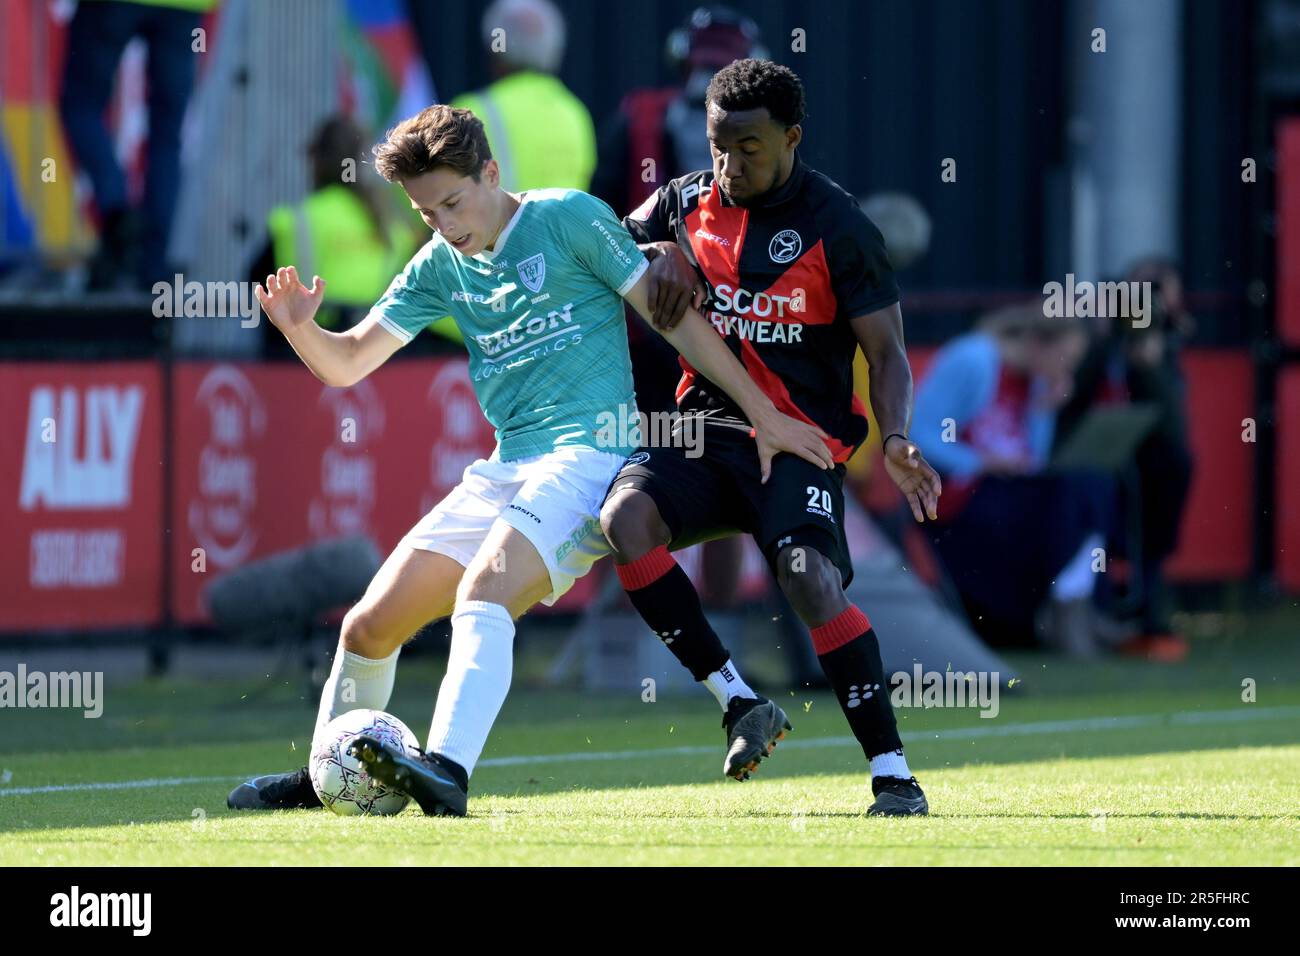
column 784, row 278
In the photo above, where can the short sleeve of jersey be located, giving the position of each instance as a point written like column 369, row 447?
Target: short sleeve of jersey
column 862, row 276
column 598, row 242
column 648, row 222
column 413, row 299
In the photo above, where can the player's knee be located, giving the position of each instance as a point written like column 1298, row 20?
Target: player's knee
column 489, row 581
column 479, row 583
column 363, row 634
column 811, row 582
column 632, row 524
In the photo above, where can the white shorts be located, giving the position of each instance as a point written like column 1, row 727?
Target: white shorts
column 553, row 500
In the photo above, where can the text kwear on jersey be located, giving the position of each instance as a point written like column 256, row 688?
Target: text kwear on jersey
column 542, row 317
column 784, row 279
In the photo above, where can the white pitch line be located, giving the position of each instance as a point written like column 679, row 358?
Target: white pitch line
column 1080, row 725
column 118, row 785
column 953, row 733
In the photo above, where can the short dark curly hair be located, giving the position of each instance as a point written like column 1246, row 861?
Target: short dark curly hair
column 757, row 84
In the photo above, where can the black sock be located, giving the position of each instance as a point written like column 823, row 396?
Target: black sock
column 667, row 601
column 849, row 654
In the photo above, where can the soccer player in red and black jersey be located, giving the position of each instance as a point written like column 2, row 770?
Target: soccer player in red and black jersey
column 794, row 277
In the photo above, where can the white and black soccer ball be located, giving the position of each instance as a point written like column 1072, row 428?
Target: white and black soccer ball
column 339, row 779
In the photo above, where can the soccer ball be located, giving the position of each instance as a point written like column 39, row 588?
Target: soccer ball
column 340, row 781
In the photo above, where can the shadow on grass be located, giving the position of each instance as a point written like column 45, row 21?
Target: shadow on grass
column 186, row 725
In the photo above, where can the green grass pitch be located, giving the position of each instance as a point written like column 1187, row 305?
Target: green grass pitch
column 1097, row 764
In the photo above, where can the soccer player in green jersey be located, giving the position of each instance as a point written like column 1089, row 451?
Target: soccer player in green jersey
column 535, row 282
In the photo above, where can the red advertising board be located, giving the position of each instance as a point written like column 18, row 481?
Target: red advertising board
column 81, row 486
column 1287, row 523
column 1218, row 525
column 266, row 458
column 1288, row 230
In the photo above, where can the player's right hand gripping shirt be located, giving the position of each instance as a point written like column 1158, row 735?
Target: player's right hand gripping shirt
column 542, row 317
column 784, row 278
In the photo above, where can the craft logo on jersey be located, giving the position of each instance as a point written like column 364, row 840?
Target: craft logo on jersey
column 703, row 233
column 532, row 272
column 785, row 245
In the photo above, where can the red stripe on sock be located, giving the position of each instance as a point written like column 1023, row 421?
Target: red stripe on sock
column 838, row 631
column 645, row 570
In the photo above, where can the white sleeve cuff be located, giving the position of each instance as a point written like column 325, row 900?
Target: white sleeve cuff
column 390, row 326
column 637, row 273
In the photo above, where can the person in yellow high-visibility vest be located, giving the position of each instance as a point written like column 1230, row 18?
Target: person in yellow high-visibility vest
column 542, row 134
column 343, row 231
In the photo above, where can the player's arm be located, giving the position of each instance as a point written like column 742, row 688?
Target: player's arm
column 336, row 358
column 880, row 333
column 775, row 432
column 674, row 285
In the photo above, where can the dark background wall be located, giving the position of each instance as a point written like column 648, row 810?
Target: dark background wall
column 895, row 86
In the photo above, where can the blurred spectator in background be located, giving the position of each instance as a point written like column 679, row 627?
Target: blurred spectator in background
column 666, row 125
column 344, row 232
column 1017, row 540
column 903, row 222
column 132, row 250
column 1127, row 364
column 541, row 133
column 655, row 135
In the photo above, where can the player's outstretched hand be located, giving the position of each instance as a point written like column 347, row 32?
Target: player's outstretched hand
column 918, row 482
column 286, row 301
column 778, row 432
column 671, row 286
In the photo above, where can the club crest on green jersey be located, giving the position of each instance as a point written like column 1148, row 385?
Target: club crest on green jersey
column 532, row 272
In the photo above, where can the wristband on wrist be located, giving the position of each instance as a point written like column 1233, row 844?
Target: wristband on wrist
column 893, row 435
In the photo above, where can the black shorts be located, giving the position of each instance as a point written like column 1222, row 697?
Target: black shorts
column 715, row 489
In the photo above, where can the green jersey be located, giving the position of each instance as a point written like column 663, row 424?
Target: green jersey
column 542, row 317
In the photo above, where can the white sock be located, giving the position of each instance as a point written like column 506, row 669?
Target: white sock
column 356, row 683
column 477, row 681
column 890, row 764
column 1076, row 580
column 726, row 683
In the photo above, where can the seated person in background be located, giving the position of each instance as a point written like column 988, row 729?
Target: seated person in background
column 345, row 231
column 1017, row 542
column 1126, row 364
